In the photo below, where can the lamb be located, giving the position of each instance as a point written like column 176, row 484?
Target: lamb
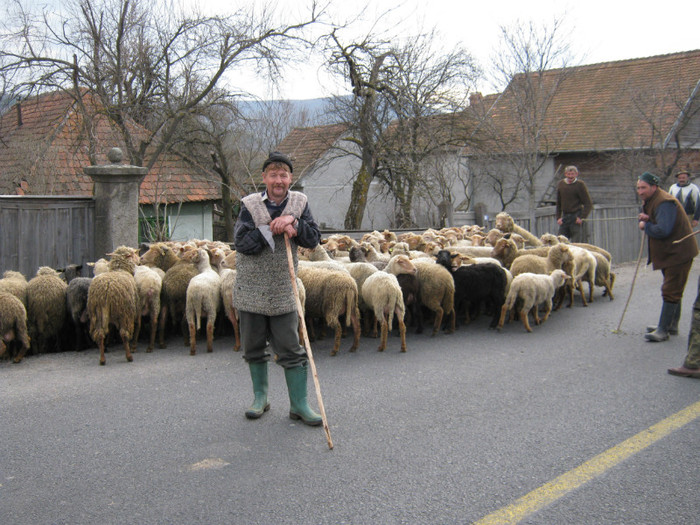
column 16, row 284
column 330, row 294
column 113, row 300
column 437, row 290
column 381, row 291
column 149, row 283
column 46, row 308
column 203, row 298
column 76, row 306
column 506, row 224
column 584, row 270
column 13, row 325
column 476, row 284
column 533, row 289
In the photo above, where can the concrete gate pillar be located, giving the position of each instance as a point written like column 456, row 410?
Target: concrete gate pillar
column 116, row 197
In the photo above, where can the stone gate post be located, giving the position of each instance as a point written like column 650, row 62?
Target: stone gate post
column 116, row 197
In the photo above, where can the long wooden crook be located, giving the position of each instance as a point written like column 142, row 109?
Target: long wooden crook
column 307, row 344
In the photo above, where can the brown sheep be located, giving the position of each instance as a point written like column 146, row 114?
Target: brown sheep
column 113, row 300
column 13, row 325
column 46, row 308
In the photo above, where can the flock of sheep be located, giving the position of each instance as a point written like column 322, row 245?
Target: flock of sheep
column 450, row 274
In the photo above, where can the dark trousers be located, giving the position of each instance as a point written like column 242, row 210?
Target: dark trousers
column 675, row 278
column 569, row 228
column 279, row 333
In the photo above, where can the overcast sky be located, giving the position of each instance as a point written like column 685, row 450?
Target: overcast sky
column 601, row 30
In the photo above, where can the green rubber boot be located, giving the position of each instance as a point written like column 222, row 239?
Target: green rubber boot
column 299, row 406
column 668, row 313
column 258, row 373
column 673, row 329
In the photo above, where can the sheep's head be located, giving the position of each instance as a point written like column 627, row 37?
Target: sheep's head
column 229, row 261
column 504, row 222
column 549, row 239
column 504, row 248
column 356, row 254
column 399, row 264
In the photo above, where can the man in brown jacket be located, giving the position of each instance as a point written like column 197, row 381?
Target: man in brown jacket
column 573, row 205
column 664, row 221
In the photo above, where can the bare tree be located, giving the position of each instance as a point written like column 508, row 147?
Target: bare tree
column 143, row 62
column 532, row 61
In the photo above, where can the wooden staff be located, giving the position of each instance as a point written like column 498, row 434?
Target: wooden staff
column 293, row 277
column 634, row 279
column 686, row 237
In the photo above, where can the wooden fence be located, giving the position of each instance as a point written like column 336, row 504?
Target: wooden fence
column 45, row 231
column 56, row 231
column 613, row 228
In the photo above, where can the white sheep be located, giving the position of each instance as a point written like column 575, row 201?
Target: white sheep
column 533, row 289
column 203, row 299
column 113, row 300
column 149, row 282
column 381, row 291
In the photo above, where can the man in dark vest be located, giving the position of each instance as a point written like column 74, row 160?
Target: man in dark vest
column 263, row 293
column 664, row 221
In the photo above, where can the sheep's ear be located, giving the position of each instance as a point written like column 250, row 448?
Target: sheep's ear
column 109, row 254
column 453, row 255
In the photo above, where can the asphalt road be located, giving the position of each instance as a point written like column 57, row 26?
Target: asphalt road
column 459, row 427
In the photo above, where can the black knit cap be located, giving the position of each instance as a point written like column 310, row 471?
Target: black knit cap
column 276, row 156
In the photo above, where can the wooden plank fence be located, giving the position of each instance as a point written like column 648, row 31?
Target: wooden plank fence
column 45, row 231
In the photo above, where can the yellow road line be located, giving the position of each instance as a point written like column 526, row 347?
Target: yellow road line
column 562, row 485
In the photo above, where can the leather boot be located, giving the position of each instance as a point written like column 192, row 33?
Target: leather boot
column 258, row 373
column 668, row 313
column 673, row 329
column 298, row 405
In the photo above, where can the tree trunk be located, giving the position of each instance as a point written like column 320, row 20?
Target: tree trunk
column 358, row 199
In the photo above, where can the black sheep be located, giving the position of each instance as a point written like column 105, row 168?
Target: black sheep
column 476, row 285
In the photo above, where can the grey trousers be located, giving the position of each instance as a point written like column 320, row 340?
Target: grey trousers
column 261, row 334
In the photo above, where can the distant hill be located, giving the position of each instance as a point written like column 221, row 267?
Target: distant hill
column 315, row 108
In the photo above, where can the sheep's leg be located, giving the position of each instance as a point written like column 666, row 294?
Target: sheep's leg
column 438, row 320
column 402, row 333
column 237, row 332
column 184, row 330
column 579, row 285
column 101, row 344
column 608, row 289
column 24, row 341
column 161, row 326
column 210, row 333
column 335, row 324
column 125, row 340
column 154, row 326
column 547, row 310
column 453, row 321
column 137, row 330
column 524, row 318
column 501, row 320
column 354, row 319
column 590, row 290
column 384, row 333
column 193, row 337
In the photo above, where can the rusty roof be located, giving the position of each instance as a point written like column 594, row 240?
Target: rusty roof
column 45, row 155
column 306, row 146
column 609, row 105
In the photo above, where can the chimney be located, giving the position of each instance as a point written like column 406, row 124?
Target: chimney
column 19, row 113
column 475, row 98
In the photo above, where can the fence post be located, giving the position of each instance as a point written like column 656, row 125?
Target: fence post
column 116, row 197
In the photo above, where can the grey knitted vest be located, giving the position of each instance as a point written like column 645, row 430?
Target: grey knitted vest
column 263, row 285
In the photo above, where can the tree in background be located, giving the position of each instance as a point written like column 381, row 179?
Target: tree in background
column 520, row 133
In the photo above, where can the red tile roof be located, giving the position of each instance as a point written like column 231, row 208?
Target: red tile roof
column 45, row 155
column 610, row 105
column 306, row 146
